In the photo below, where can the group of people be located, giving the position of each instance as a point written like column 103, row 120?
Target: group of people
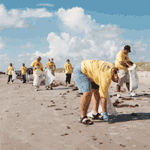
column 93, row 78
column 37, row 65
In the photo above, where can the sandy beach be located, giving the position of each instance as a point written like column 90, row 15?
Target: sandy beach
column 49, row 119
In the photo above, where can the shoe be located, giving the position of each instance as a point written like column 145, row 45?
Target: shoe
column 118, row 95
column 132, row 94
column 105, row 117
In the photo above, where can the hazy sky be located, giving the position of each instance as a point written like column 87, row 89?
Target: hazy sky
column 76, row 30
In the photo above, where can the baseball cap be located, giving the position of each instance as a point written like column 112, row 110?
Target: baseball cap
column 128, row 48
column 39, row 57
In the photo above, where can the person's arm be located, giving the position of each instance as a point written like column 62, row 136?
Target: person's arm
column 42, row 67
column 130, row 63
column 123, row 64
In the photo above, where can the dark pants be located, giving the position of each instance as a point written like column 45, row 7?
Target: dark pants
column 10, row 77
column 68, row 78
column 24, row 78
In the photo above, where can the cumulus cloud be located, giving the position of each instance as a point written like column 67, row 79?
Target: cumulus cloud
column 27, row 46
column 2, row 45
column 75, row 19
column 17, row 18
column 98, row 41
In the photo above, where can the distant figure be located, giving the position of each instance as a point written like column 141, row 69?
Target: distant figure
column 23, row 70
column 38, row 66
column 9, row 71
column 122, row 59
column 68, row 71
column 52, row 67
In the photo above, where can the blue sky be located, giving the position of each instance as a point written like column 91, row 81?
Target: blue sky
column 66, row 29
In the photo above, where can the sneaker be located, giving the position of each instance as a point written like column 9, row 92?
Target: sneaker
column 132, row 94
column 105, row 117
column 118, row 95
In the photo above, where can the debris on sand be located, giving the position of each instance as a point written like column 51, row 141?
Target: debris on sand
column 127, row 99
column 122, row 145
column 64, row 134
column 32, row 133
column 75, row 88
column 100, row 143
column 51, row 105
column 68, row 127
column 58, row 109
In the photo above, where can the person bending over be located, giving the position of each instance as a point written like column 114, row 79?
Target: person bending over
column 93, row 78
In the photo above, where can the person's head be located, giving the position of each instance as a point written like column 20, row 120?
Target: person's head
column 51, row 59
column 10, row 64
column 115, row 77
column 23, row 64
column 39, row 58
column 68, row 60
column 127, row 49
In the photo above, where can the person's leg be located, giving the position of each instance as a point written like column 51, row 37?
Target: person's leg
column 84, row 103
column 95, row 100
column 24, row 78
column 8, row 79
column 66, row 78
column 69, row 78
column 11, row 78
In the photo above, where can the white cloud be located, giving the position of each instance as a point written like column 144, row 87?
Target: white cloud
column 2, row 45
column 27, row 46
column 98, row 41
column 38, row 13
column 17, row 18
column 75, row 19
column 49, row 5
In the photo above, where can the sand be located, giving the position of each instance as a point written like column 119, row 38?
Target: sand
column 49, row 119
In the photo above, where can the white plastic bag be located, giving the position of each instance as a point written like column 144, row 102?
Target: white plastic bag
column 27, row 77
column 133, row 78
column 14, row 76
column 48, row 77
column 110, row 108
column 37, row 78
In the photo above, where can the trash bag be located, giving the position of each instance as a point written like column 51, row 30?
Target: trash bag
column 27, row 77
column 110, row 108
column 37, row 77
column 133, row 78
column 14, row 76
column 48, row 77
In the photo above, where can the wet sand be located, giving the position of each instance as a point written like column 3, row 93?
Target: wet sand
column 49, row 119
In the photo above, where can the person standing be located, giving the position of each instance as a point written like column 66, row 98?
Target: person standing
column 93, row 78
column 121, row 62
column 37, row 65
column 68, row 71
column 52, row 67
column 9, row 71
column 23, row 70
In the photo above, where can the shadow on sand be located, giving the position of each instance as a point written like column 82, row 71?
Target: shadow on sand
column 129, row 117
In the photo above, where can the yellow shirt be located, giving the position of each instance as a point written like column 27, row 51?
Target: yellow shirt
column 68, row 68
column 100, row 72
column 34, row 64
column 10, row 70
column 51, row 65
column 121, row 56
column 23, row 70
